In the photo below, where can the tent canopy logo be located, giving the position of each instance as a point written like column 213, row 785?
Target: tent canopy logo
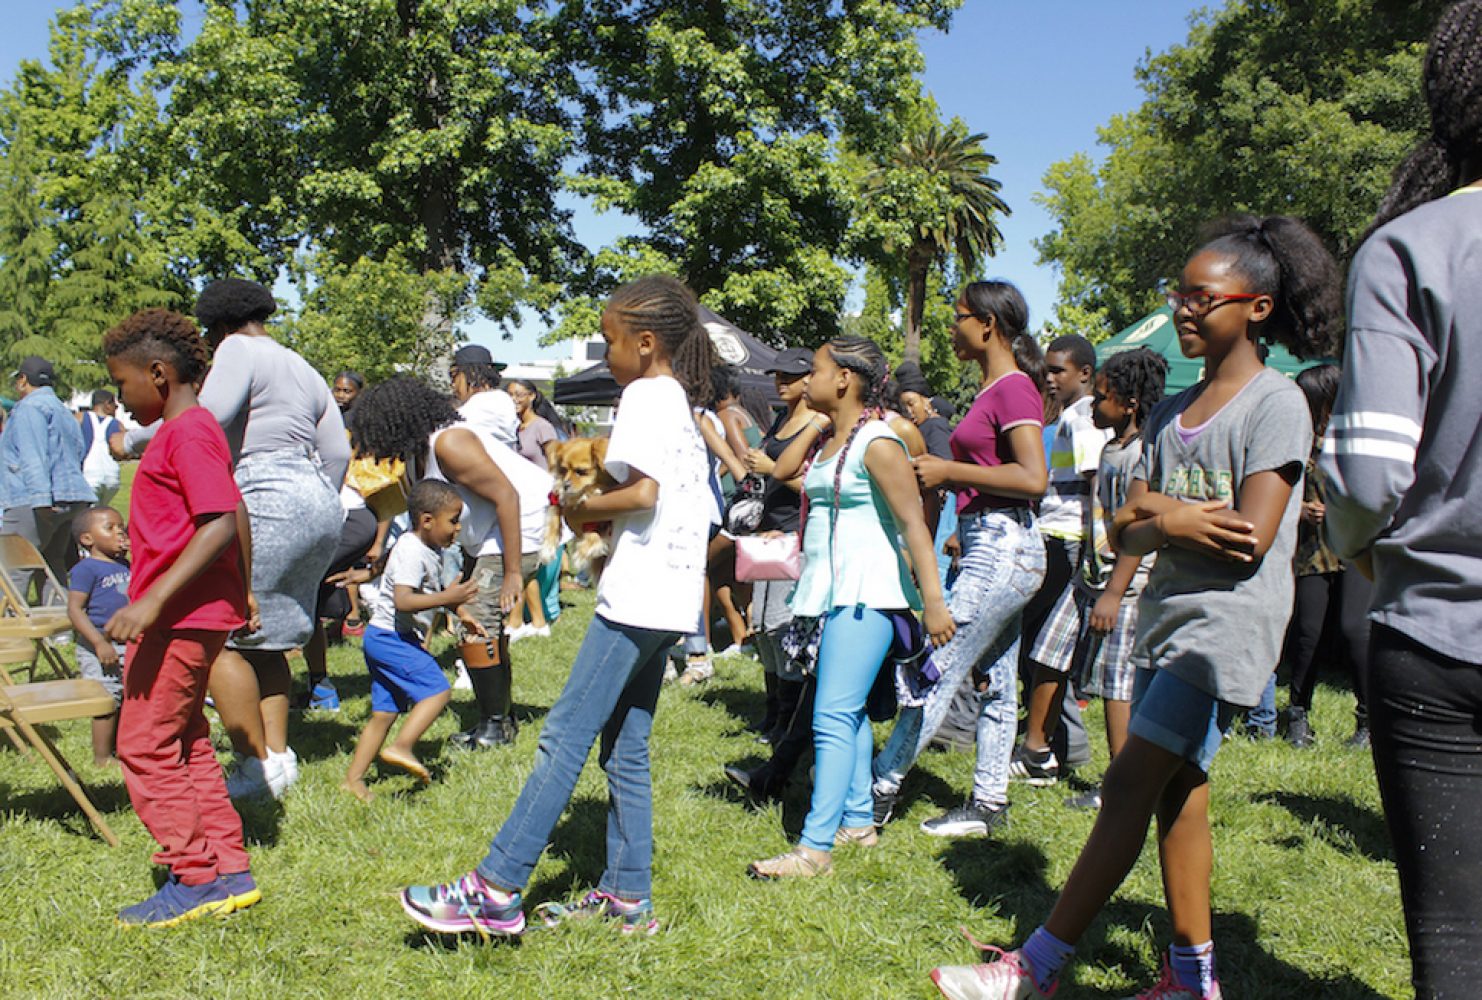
column 731, row 350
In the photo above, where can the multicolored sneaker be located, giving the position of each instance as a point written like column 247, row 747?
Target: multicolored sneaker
column 241, row 888
column 1168, row 988
column 467, row 904
column 175, row 902
column 1009, row 978
column 324, row 697
column 637, row 916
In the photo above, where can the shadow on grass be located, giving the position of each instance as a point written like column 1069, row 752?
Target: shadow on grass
column 425, row 940
column 53, row 803
column 746, row 704
column 581, row 838
column 1009, row 877
column 1340, row 821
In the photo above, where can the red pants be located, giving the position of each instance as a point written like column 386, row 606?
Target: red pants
column 169, row 765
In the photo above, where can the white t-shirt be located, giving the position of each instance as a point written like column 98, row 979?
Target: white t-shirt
column 655, row 574
column 493, row 411
column 1075, row 454
column 417, row 566
column 480, row 535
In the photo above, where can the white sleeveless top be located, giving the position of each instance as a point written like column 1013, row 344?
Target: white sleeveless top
column 480, row 535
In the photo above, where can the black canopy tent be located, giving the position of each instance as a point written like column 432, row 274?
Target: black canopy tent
column 750, row 356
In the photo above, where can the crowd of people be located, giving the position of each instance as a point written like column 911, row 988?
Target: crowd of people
column 1075, row 534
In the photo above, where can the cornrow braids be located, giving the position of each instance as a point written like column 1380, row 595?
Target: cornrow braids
column 863, row 357
column 1452, row 83
column 160, row 334
column 1138, row 374
column 1279, row 256
column 395, row 418
column 667, row 308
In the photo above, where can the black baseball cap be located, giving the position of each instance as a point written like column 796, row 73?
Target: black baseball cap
column 38, row 371
column 475, row 354
column 792, row 361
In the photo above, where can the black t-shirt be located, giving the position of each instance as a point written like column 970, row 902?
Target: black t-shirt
column 781, row 503
column 938, row 435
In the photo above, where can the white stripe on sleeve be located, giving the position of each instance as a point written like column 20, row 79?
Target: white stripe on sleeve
column 1373, row 420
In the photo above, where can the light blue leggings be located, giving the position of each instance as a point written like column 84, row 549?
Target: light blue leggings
column 855, row 641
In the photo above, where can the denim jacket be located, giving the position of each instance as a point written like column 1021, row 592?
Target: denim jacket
column 41, row 454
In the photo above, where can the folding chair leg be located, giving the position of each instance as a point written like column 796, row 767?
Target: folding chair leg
column 53, row 659
column 66, row 776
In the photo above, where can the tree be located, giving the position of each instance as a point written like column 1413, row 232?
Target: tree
column 934, row 198
column 1299, row 107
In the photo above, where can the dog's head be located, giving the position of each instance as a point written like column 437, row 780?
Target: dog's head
column 576, row 465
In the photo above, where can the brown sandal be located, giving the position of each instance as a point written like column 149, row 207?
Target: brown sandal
column 794, row 864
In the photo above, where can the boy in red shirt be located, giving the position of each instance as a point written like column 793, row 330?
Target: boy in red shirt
column 186, row 595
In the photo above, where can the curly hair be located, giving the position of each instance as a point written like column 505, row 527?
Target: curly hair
column 234, row 302
column 667, row 308
column 1137, row 375
column 160, row 335
column 395, row 418
column 1452, row 82
column 1279, row 256
column 1004, row 303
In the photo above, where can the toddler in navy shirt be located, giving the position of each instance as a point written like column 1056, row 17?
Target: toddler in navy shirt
column 97, row 587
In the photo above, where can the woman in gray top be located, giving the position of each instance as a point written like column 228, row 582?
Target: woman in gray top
column 291, row 452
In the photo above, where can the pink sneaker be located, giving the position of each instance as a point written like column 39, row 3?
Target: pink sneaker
column 1167, row 988
column 1009, row 978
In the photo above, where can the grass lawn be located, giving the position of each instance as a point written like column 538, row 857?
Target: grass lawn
column 1306, row 903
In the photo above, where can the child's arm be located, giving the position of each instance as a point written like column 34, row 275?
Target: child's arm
column 463, row 458
column 409, row 600
column 1104, row 611
column 1024, row 478
column 214, row 532
column 83, row 626
column 720, row 449
column 640, row 492
column 1151, row 520
column 891, row 471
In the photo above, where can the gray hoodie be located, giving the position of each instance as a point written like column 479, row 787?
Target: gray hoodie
column 1403, row 452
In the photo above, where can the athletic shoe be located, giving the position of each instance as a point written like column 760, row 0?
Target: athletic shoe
column 696, row 671
column 884, row 806
column 636, row 916
column 355, row 628
column 518, row 633
column 971, row 819
column 1034, row 767
column 241, row 888
column 175, row 902
column 466, row 904
column 543, row 632
column 324, row 697
column 489, row 733
column 1359, row 740
column 1167, row 988
column 1009, row 978
column 1298, row 729
column 252, row 777
column 287, row 771
column 1085, row 800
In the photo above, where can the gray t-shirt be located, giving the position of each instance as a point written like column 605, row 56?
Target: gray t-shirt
column 415, row 565
column 1119, row 464
column 1215, row 623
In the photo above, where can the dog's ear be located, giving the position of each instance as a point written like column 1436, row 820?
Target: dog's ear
column 599, row 452
column 553, row 453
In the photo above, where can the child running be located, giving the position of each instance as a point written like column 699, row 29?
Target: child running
column 188, row 534
column 863, row 502
column 402, row 672
column 649, row 595
column 97, row 587
column 1095, row 621
column 1214, row 496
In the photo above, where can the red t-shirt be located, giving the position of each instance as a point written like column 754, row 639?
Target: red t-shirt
column 981, row 437
column 186, row 473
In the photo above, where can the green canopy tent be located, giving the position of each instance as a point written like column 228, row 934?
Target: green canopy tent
column 1156, row 332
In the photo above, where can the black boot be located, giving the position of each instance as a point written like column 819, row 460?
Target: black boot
column 769, row 718
column 1360, row 738
column 487, row 734
column 491, row 693
column 1298, row 729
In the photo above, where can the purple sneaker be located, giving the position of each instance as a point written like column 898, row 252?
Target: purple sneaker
column 175, row 902
column 467, row 904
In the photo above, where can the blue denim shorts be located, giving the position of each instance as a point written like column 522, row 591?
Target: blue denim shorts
column 1169, row 712
column 402, row 673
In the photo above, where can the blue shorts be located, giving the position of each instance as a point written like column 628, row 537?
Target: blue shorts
column 1169, row 712
column 402, row 673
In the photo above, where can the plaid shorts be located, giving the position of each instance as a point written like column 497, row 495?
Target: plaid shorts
column 1067, row 645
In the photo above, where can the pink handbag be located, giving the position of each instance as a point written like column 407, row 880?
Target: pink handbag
column 758, row 557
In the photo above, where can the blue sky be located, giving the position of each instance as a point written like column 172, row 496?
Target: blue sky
column 1037, row 75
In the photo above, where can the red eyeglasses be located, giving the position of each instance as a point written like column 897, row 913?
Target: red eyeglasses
column 1201, row 302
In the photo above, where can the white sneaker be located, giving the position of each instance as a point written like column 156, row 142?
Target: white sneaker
column 543, row 632
column 696, row 671
column 1007, row 979
column 518, row 633
column 287, row 775
column 462, row 682
column 251, row 777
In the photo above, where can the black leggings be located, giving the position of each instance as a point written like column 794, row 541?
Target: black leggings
column 1426, row 719
column 1325, row 601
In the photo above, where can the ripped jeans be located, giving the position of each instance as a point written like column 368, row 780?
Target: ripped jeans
column 1002, row 566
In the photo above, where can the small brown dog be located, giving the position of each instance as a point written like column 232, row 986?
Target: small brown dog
column 576, row 467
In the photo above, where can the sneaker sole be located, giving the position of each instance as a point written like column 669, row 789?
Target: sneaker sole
column 218, row 908
column 483, row 928
column 1035, row 780
column 976, row 829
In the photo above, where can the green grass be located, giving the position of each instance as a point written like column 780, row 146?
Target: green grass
column 1306, row 903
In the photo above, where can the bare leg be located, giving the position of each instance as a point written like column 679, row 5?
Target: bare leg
column 1046, row 693
column 735, row 618
column 353, row 592
column 423, row 714
column 1130, row 792
column 535, row 604
column 1118, row 715
column 105, row 735
column 233, row 687
column 1187, row 854
column 369, row 744
column 274, row 681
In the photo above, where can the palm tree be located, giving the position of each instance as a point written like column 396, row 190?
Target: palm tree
column 961, row 215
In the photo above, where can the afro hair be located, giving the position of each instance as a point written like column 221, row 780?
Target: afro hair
column 233, row 302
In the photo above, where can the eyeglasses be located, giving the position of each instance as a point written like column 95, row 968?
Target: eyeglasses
column 960, row 316
column 1201, row 302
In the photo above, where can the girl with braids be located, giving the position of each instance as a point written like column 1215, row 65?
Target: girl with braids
column 862, row 501
column 1094, row 620
column 187, row 593
column 1214, row 497
column 997, row 472
column 648, row 596
column 1401, row 456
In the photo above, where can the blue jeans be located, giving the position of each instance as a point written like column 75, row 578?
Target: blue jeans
column 1002, row 566
column 1261, row 720
column 854, row 643
column 612, row 690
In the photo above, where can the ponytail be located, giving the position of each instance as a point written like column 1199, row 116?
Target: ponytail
column 667, row 308
column 1005, row 305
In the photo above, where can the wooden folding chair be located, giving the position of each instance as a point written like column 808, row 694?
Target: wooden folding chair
column 25, row 706
column 20, row 619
